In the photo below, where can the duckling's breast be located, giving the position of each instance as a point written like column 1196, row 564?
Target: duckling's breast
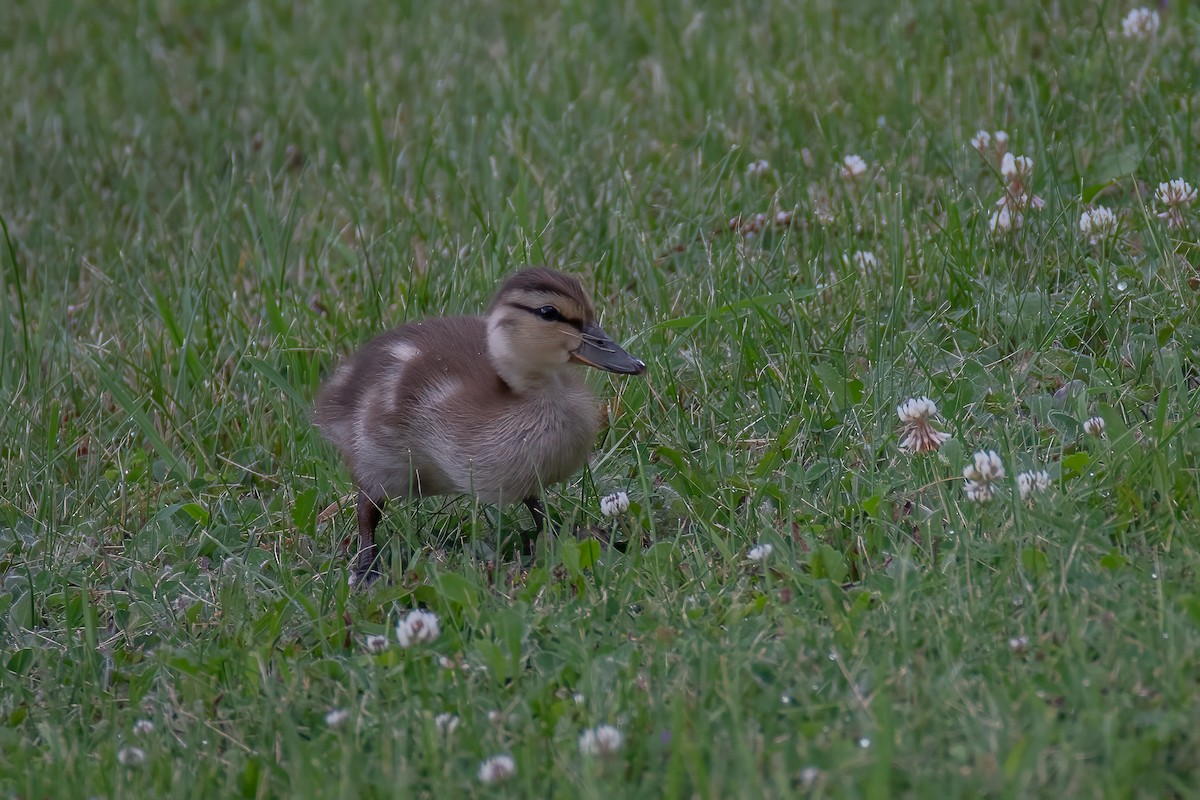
column 510, row 447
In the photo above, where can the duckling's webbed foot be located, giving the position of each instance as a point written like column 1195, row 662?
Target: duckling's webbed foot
column 528, row 543
column 366, row 562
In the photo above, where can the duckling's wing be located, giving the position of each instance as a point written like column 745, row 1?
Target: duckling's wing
column 377, row 405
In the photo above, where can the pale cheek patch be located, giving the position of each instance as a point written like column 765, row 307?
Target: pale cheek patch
column 403, row 351
column 498, row 344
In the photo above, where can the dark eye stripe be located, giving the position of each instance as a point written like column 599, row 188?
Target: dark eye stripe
column 574, row 323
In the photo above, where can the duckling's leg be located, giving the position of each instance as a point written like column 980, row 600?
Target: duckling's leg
column 365, row 570
column 538, row 511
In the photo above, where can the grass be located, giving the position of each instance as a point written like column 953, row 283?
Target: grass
column 204, row 204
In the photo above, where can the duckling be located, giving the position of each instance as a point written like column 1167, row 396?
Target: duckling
column 489, row 406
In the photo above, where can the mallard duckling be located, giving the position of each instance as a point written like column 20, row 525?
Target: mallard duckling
column 487, row 405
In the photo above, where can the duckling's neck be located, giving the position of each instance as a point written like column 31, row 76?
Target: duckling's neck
column 515, row 369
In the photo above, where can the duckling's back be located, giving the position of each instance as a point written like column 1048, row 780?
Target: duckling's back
column 420, row 410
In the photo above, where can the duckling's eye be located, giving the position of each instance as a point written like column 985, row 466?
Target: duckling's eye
column 549, row 313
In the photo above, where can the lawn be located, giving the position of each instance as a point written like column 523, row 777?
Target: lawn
column 799, row 215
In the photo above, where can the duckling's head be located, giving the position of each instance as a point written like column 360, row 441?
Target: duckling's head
column 542, row 321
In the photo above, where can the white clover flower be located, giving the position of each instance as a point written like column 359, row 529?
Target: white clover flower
column 1008, row 167
column 1176, row 195
column 1094, row 426
column 749, row 226
column 1177, row 192
column 981, row 141
column 916, row 410
column 496, row 717
column 758, row 168
column 1016, row 200
column 613, row 504
column 1140, row 24
column 863, row 259
column 853, row 167
column 143, row 727
column 1001, row 138
column 1016, row 168
column 419, row 627
column 336, row 717
column 1097, row 224
column 446, row 723
column 375, row 643
column 1003, row 221
column 982, row 476
column 1018, row 643
column 1032, row 481
column 916, row 413
column 760, row 552
column 131, row 756
column 497, row 769
column 601, row 741
column 809, row 777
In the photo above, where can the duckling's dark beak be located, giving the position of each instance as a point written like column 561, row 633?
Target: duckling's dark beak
column 601, row 352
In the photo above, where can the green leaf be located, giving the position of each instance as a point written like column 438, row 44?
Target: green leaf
column 952, row 453
column 1113, row 560
column 568, row 551
column 18, row 715
column 252, row 777
column 508, row 625
column 1075, row 464
column 1113, row 166
column 196, row 512
column 829, row 563
column 871, row 505
column 20, row 661
column 20, row 613
column 1015, row 759
column 304, row 511
column 589, row 553
column 1191, row 604
column 456, row 590
column 1034, row 561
